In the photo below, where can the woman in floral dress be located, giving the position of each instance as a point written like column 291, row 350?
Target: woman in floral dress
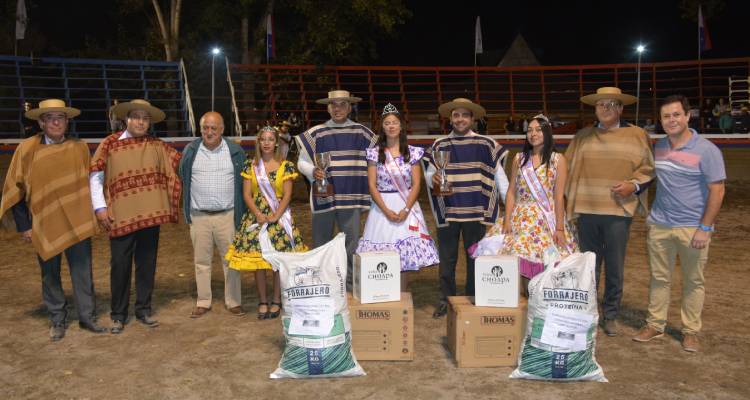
column 267, row 191
column 395, row 221
column 535, row 220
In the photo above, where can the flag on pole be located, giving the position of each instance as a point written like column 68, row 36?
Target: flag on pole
column 21, row 20
column 478, row 37
column 703, row 38
column 270, row 45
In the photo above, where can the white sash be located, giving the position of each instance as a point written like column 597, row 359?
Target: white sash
column 415, row 218
column 268, row 192
column 540, row 195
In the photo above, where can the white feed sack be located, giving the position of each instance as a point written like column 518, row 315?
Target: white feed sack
column 315, row 315
column 561, row 324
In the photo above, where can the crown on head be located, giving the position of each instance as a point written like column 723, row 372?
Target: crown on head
column 542, row 117
column 389, row 109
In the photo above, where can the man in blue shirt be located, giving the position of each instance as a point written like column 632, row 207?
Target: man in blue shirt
column 689, row 192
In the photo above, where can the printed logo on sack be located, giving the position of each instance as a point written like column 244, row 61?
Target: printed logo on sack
column 306, row 282
column 374, row 314
column 380, row 273
column 495, row 276
column 498, row 320
column 564, row 284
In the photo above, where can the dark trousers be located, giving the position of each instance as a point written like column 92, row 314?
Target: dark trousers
column 607, row 236
column 142, row 247
column 348, row 222
column 448, row 238
column 79, row 263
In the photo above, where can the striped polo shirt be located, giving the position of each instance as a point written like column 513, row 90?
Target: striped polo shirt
column 346, row 144
column 683, row 175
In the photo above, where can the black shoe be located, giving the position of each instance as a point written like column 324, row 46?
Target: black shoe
column 440, row 310
column 91, row 327
column 57, row 332
column 146, row 320
column 117, row 327
column 274, row 314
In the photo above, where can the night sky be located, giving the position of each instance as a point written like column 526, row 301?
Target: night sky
column 563, row 32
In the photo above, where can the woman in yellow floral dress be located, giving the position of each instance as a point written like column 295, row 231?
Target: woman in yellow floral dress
column 267, row 191
column 534, row 207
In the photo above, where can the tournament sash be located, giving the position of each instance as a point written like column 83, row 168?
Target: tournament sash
column 268, row 192
column 415, row 219
column 540, row 195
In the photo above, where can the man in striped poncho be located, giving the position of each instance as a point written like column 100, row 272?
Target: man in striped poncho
column 477, row 177
column 346, row 142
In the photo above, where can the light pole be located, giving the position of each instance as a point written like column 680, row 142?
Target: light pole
column 214, row 52
column 640, row 49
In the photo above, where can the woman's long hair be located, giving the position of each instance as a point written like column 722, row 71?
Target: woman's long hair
column 276, row 153
column 403, row 146
column 549, row 142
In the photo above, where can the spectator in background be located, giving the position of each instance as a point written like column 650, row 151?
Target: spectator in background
column 510, row 125
column 722, row 113
column 695, row 118
column 650, row 128
column 707, row 115
column 742, row 123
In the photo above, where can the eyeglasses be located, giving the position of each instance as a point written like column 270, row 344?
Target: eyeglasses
column 608, row 105
column 54, row 118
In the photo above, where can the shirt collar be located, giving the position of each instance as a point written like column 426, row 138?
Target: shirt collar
column 218, row 148
column 125, row 135
column 470, row 133
column 47, row 140
column 332, row 124
column 691, row 142
column 599, row 125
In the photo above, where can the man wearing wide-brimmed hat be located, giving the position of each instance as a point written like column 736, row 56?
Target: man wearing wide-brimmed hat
column 134, row 189
column 479, row 183
column 608, row 163
column 285, row 138
column 346, row 142
column 47, row 189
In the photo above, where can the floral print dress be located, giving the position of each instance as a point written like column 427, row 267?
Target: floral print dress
column 530, row 236
column 244, row 253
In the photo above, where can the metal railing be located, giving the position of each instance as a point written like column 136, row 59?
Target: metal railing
column 263, row 92
column 92, row 86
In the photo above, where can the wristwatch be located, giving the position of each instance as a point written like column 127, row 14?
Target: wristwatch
column 407, row 209
column 706, row 228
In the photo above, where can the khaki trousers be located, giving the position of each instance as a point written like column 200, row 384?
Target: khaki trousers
column 664, row 245
column 208, row 231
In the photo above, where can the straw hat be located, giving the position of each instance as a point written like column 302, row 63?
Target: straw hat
column 445, row 109
column 608, row 92
column 122, row 110
column 340, row 95
column 52, row 105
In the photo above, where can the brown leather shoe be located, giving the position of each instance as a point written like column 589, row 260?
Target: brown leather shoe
column 647, row 333
column 199, row 312
column 237, row 311
column 610, row 327
column 690, row 343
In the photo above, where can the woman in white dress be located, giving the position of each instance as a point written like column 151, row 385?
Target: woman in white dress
column 395, row 221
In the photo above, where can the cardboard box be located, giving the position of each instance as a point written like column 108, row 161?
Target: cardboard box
column 383, row 331
column 377, row 277
column 496, row 281
column 485, row 336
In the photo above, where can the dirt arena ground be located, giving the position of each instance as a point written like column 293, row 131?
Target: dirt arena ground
column 223, row 357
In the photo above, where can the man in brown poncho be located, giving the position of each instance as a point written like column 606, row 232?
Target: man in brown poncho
column 48, row 192
column 610, row 165
column 134, row 189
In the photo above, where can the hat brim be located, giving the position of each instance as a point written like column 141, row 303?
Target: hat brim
column 445, row 109
column 122, row 110
column 331, row 100
column 625, row 99
column 36, row 113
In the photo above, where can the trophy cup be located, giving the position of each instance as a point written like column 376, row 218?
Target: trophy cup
column 322, row 187
column 442, row 159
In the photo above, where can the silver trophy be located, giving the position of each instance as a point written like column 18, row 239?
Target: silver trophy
column 442, row 159
column 322, row 187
